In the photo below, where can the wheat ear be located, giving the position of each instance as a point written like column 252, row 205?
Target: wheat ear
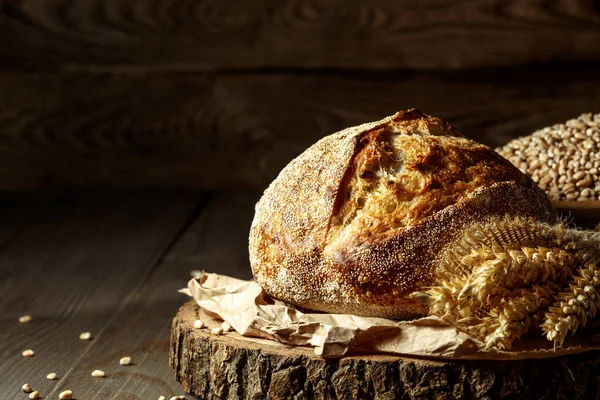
column 498, row 279
column 517, row 316
column 574, row 307
column 495, row 272
column 511, row 268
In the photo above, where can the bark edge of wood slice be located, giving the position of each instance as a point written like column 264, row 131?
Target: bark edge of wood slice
column 230, row 366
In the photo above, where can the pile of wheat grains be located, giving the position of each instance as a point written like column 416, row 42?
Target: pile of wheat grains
column 564, row 159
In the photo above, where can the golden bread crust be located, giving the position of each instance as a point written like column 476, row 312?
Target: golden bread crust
column 356, row 223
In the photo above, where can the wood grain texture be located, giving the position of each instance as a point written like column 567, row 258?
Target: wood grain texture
column 183, row 35
column 231, row 367
column 112, row 265
column 217, row 241
column 140, row 329
column 80, row 263
column 238, row 130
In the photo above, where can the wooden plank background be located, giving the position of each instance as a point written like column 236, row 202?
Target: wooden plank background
column 111, row 35
column 213, row 94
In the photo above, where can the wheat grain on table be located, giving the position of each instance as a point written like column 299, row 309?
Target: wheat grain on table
column 109, row 264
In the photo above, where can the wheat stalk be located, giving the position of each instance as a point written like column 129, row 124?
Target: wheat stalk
column 572, row 308
column 499, row 279
column 514, row 268
column 495, row 271
column 516, row 316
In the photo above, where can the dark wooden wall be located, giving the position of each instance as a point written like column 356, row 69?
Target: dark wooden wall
column 213, row 93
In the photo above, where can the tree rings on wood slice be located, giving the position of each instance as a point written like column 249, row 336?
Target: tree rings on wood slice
column 230, row 366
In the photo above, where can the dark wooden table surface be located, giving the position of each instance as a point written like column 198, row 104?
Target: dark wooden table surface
column 110, row 264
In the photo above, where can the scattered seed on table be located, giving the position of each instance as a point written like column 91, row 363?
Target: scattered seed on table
column 162, row 398
column 217, row 331
column 28, row 353
column 125, row 361
column 34, row 395
column 66, row 395
column 98, row 373
column 198, row 324
column 25, row 319
column 51, row 376
column 85, row 336
column 177, row 398
column 27, row 388
column 226, row 327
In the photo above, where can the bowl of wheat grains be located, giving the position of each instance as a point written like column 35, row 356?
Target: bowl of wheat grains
column 564, row 161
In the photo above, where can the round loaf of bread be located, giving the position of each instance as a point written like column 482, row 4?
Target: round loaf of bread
column 358, row 221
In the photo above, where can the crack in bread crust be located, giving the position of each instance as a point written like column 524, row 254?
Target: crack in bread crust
column 398, row 179
column 355, row 223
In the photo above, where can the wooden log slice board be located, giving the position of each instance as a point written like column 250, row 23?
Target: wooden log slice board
column 231, row 366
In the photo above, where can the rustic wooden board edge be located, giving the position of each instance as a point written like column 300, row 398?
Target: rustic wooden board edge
column 227, row 366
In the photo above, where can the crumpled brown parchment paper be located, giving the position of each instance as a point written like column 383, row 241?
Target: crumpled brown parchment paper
column 251, row 312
